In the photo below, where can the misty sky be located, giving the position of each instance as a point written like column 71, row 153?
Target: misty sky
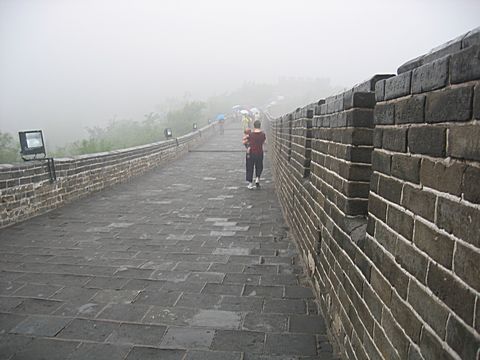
column 67, row 64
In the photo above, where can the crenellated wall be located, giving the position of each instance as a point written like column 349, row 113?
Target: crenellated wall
column 26, row 189
column 381, row 187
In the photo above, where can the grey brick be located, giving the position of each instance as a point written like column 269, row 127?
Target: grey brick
column 390, row 189
column 380, row 90
column 395, row 139
column 395, row 334
column 451, row 104
column 400, row 221
column 442, row 176
column 406, row 168
column 377, row 207
column 458, row 219
column 384, row 114
column 431, row 76
column 419, row 201
column 411, row 260
column 461, row 339
column 427, row 140
column 451, row 292
column 476, row 102
column 386, row 237
column 398, row 86
column 359, row 100
column 464, row 142
column 381, row 162
column 471, row 184
column 430, row 309
column 432, row 348
column 406, row 317
column 471, row 38
column 438, row 246
column 467, row 265
column 465, row 65
column 410, row 110
column 411, row 64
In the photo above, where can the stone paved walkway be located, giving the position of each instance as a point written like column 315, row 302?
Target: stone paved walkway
column 183, row 263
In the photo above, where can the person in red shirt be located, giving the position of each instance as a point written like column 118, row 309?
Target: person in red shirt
column 256, row 140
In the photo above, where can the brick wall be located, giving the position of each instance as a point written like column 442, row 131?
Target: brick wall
column 381, row 187
column 26, row 189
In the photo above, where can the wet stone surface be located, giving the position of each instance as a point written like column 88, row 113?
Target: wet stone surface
column 182, row 263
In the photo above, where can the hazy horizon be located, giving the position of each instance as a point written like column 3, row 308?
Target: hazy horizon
column 66, row 65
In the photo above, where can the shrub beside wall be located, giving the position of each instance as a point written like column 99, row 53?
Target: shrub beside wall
column 26, row 189
column 381, row 186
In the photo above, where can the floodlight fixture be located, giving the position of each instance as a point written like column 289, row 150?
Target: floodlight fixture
column 168, row 133
column 194, row 126
column 31, row 145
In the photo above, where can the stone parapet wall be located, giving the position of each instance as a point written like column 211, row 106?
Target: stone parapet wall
column 26, row 189
column 381, row 187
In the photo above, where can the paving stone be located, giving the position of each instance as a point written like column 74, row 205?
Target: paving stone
column 37, row 306
column 189, row 266
column 284, row 306
column 226, row 268
column 241, row 279
column 137, row 334
column 239, row 341
column 210, row 277
column 307, row 324
column 241, row 303
column 145, row 353
column 93, row 330
column 219, row 319
column 200, row 301
column 260, row 269
column 142, row 284
column 187, row 338
column 41, row 325
column 282, row 279
column 100, row 282
column 124, row 312
column 83, row 309
column 11, row 344
column 170, row 316
column 244, row 259
column 158, row 297
column 9, row 321
column 9, row 287
column 291, row 344
column 46, row 349
column 212, row 355
column 298, row 292
column 265, row 322
column 100, row 352
column 115, row 296
column 267, row 291
column 222, row 289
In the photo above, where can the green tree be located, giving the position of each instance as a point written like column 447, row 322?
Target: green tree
column 9, row 149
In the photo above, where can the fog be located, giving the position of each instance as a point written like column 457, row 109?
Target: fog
column 66, row 65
